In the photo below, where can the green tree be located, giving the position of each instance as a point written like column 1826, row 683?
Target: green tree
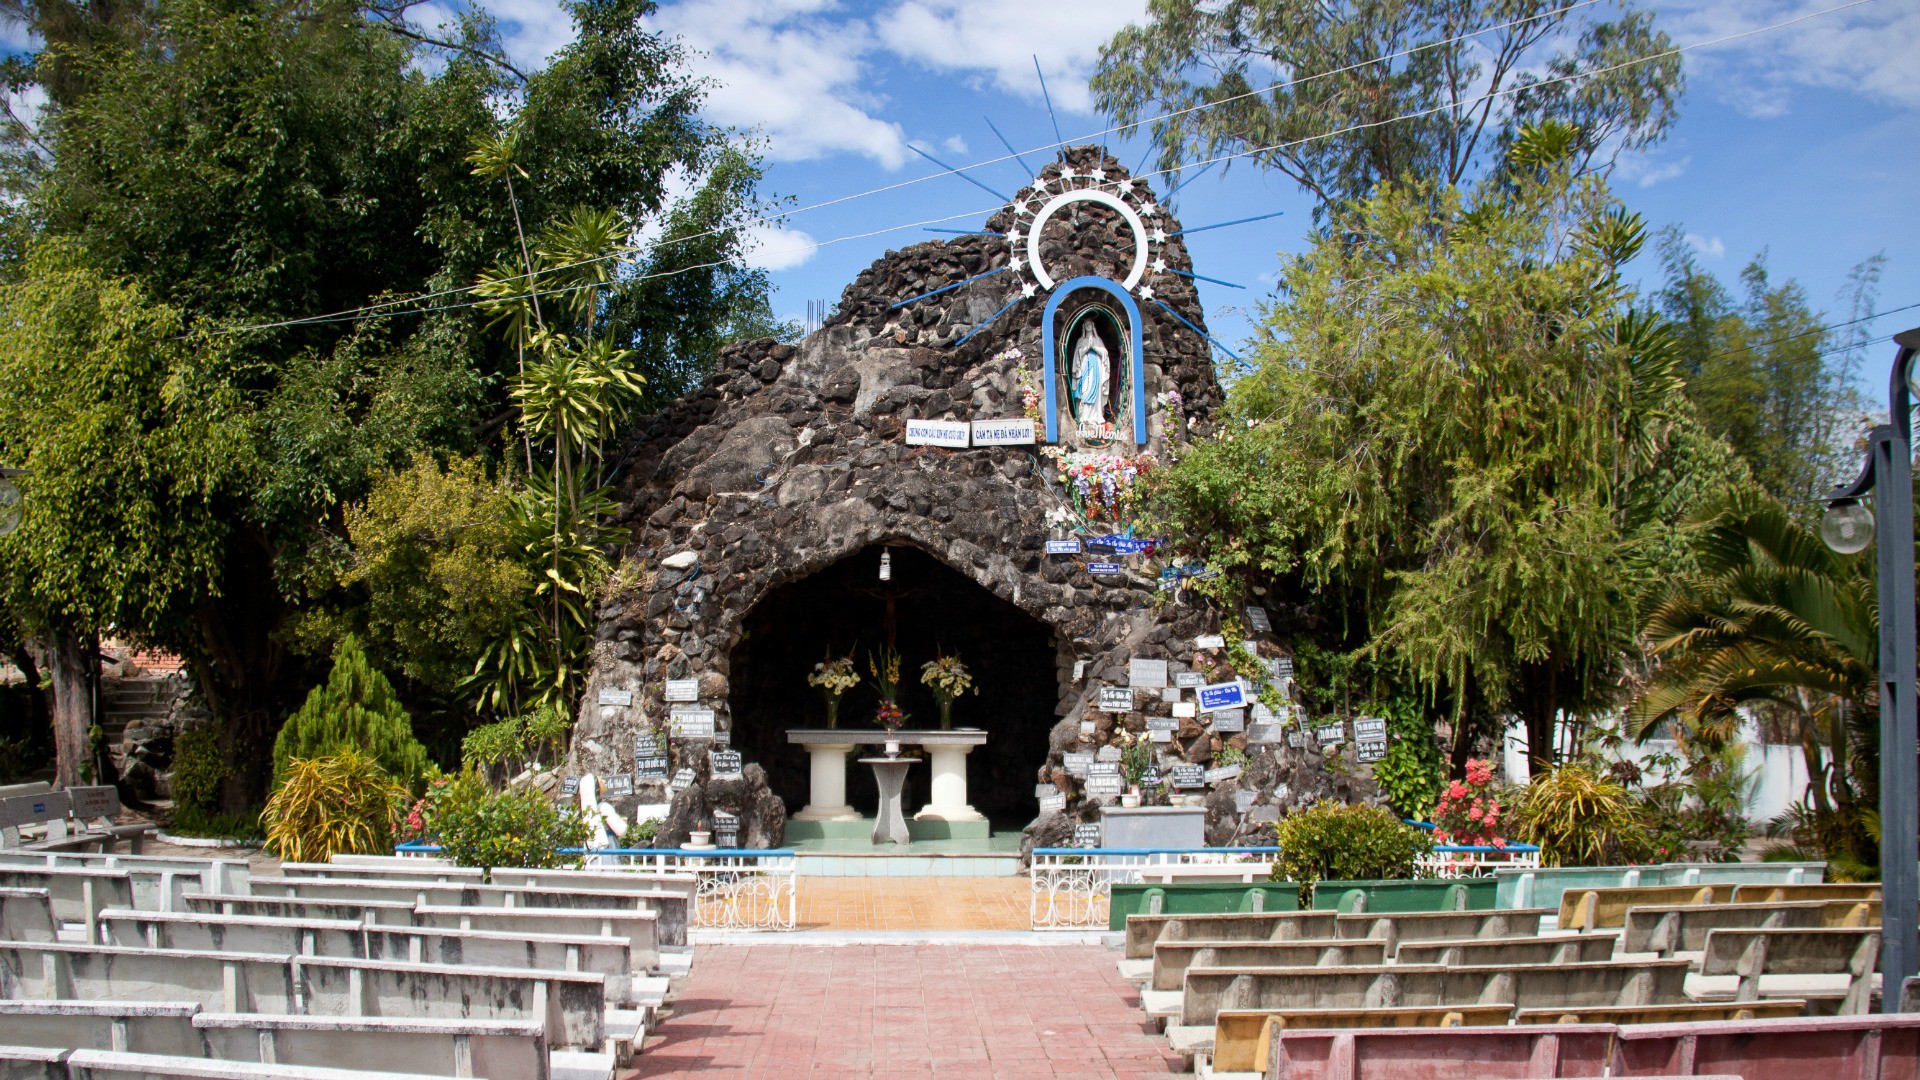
column 355, row 710
column 1774, row 619
column 1358, row 97
column 1458, row 432
column 1764, row 372
column 247, row 166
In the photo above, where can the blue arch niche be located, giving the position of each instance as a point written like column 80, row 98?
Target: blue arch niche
column 1050, row 376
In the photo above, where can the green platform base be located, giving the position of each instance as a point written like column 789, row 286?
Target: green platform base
column 801, row 833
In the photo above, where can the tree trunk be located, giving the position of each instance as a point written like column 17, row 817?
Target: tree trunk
column 1539, row 704
column 64, row 657
column 239, row 667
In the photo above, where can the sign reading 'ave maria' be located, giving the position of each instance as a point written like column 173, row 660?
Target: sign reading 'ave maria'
column 954, row 433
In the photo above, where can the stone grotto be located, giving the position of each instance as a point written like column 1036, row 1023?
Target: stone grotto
column 970, row 417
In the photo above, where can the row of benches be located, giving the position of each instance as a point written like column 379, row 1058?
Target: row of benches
column 1222, row 982
column 322, row 966
column 33, row 817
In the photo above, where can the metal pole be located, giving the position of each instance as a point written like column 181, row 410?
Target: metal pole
column 1899, row 724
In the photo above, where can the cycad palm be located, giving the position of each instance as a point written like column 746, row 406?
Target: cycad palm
column 1773, row 616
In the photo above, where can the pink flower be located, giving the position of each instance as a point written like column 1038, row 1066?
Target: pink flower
column 1475, row 814
column 1498, row 844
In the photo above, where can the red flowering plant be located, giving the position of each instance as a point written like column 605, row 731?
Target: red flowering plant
column 1468, row 813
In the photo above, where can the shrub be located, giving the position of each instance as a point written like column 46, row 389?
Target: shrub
column 1468, row 812
column 1413, row 774
column 1332, row 841
column 1580, row 817
column 198, row 770
column 356, row 710
column 477, row 826
column 516, row 741
column 326, row 806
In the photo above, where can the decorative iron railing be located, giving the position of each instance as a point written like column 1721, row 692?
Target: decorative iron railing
column 739, row 888
column 1463, row 860
column 1069, row 888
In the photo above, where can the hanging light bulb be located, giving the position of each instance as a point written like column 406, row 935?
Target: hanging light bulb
column 886, row 564
column 1847, row 527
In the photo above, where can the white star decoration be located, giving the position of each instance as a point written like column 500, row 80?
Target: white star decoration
column 1146, row 292
column 1159, row 236
column 1159, row 266
column 1028, row 288
column 1099, row 175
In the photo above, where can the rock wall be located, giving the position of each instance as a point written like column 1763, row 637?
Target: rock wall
column 791, row 458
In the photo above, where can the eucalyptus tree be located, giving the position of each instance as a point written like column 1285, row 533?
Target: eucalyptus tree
column 1343, row 95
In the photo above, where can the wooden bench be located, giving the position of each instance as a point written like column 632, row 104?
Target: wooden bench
column 1208, row 991
column 1754, row 954
column 1510, row 952
column 1242, row 1038
column 1831, row 890
column 1171, row 959
column 1884, row 1045
column 1597, row 909
column 1665, row 930
column 1460, row 1053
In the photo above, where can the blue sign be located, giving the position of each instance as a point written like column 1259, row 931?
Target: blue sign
column 1063, row 547
column 1225, row 695
column 1104, row 568
column 1125, row 545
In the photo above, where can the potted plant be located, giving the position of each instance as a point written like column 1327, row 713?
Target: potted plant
column 834, row 677
column 949, row 680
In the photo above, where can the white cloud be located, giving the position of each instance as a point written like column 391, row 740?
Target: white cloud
column 787, row 70
column 1645, row 170
column 1866, row 50
column 531, row 30
column 998, row 39
column 1710, row 246
column 774, row 247
column 954, row 144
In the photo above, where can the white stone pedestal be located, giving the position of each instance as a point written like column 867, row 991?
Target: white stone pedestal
column 827, row 789
column 948, row 798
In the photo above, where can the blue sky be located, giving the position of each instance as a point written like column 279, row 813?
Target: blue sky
column 1800, row 141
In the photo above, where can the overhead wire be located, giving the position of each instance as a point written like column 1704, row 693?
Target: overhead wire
column 376, row 310
column 1012, row 155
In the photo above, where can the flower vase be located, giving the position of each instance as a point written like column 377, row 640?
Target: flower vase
column 946, row 716
column 893, row 747
column 833, row 711
column 1131, row 799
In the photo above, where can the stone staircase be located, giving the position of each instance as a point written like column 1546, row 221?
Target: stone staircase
column 129, row 701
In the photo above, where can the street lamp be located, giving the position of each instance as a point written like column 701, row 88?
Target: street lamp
column 9, row 500
column 1888, row 474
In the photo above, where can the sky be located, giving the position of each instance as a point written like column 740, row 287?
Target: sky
column 1797, row 142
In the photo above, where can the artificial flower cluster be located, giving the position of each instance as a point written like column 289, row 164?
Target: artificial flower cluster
column 889, row 716
column 1468, row 813
column 1101, row 486
column 834, row 676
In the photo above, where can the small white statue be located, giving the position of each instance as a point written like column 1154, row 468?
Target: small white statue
column 605, row 826
column 1089, row 377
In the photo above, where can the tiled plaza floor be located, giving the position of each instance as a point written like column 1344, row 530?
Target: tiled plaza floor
column 1017, row 1012
column 913, row 903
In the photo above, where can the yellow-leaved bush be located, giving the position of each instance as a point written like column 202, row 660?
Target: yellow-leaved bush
column 339, row 804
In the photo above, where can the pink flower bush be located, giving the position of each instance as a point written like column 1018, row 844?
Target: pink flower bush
column 1467, row 813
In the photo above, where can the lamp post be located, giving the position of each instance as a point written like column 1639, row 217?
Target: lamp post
column 1888, row 474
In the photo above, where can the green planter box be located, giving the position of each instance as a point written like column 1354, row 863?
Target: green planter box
column 1199, row 899
column 1403, row 897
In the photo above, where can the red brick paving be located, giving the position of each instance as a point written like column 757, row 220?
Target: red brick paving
column 1015, row 1012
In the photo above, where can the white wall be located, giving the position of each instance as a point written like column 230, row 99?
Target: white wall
column 1780, row 771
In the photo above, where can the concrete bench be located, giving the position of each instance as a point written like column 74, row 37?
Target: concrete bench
column 77, row 819
column 1143, row 931
column 33, row 1063
column 1828, row 1048
column 1241, row 1038
column 1510, row 952
column 144, row 1027
column 1461, row 1053
column 1396, row 930
column 1695, row 1012
column 1171, row 959
column 1542, row 886
column 571, row 1005
column 1754, row 954
column 108, row 1065
column 495, row 1049
column 216, row 875
column 406, row 869
column 608, row 956
column 639, row 929
column 78, row 895
column 1208, row 991
column 670, row 905
column 27, row 915
column 1832, row 890
column 1666, row 930
column 1596, row 909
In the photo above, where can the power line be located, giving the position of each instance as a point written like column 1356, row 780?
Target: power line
column 1011, row 155
column 374, row 311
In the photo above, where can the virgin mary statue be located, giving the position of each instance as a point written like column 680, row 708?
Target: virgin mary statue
column 1089, row 376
